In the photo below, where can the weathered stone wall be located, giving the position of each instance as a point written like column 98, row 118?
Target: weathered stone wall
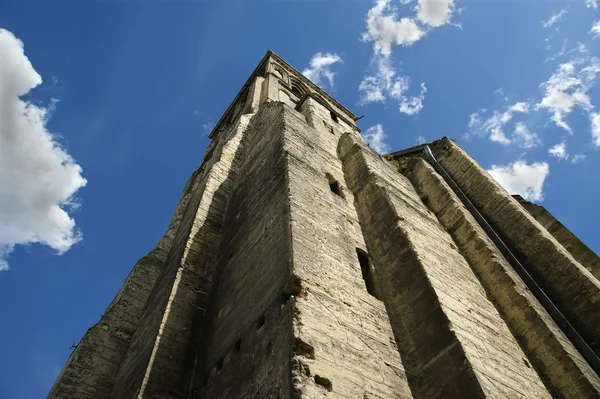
column 352, row 348
column 452, row 340
column 581, row 252
column 572, row 287
column 246, row 344
column 300, row 264
column 156, row 361
column 92, row 367
column 550, row 352
column 300, row 313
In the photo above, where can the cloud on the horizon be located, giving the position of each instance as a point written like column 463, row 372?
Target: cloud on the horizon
column 522, row 178
column 376, row 138
column 319, row 70
column 38, row 178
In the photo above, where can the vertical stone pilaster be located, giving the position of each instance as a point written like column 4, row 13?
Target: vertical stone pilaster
column 549, row 351
column 573, row 288
column 452, row 340
column 581, row 252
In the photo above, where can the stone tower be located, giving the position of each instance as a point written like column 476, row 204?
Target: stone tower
column 299, row 263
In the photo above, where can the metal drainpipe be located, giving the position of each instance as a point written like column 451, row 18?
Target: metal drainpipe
column 588, row 354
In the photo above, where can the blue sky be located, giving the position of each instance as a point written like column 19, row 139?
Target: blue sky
column 105, row 108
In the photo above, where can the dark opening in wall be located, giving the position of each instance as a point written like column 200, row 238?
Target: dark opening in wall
column 296, row 91
column 367, row 272
column 260, row 323
column 334, row 186
column 333, row 116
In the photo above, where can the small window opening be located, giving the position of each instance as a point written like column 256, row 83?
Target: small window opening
column 260, row 323
column 333, row 116
column 367, row 272
column 334, row 186
column 296, row 91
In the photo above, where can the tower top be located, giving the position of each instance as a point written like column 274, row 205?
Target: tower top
column 292, row 82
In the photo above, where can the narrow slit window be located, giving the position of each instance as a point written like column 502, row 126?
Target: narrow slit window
column 334, row 186
column 367, row 272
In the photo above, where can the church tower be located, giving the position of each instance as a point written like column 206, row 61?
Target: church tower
column 300, row 263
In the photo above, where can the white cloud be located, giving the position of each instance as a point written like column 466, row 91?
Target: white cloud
column 524, row 137
column 494, row 125
column 385, row 29
column 595, row 127
column 567, row 88
column 207, row 127
column 435, row 12
column 376, row 138
column 520, row 106
column 522, row 178
column 577, row 158
column 474, row 120
column 421, row 140
column 384, row 83
column 318, row 69
column 559, row 151
column 591, row 4
column 556, row 18
column 38, row 178
column 414, row 104
column 595, row 29
column 561, row 52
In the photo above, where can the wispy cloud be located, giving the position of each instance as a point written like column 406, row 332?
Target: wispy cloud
column 559, row 151
column 522, row 178
column 319, row 70
column 524, row 137
column 385, row 29
column 384, row 83
column 493, row 126
column 555, row 19
column 377, row 139
column 38, row 178
column 207, row 127
column 595, row 127
column 568, row 88
column 591, row 4
column 595, row 29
